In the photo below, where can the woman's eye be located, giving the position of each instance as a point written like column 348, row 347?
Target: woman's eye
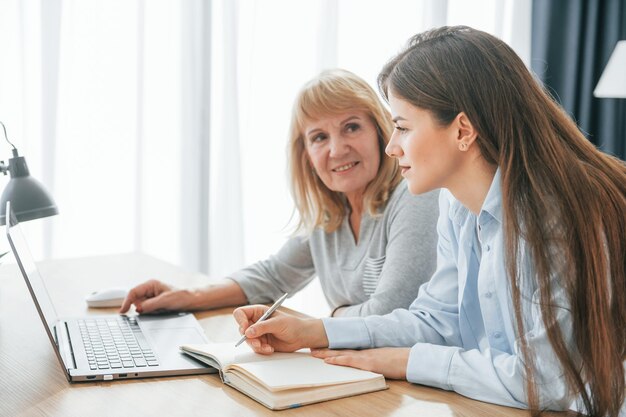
column 317, row 138
column 352, row 127
column 400, row 129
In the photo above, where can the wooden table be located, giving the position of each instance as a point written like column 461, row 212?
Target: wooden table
column 33, row 384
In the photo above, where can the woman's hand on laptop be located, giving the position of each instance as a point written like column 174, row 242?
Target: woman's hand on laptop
column 281, row 332
column 155, row 295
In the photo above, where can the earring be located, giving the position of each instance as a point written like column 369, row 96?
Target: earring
column 463, row 146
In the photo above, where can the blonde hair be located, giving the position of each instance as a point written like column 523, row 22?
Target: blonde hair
column 336, row 91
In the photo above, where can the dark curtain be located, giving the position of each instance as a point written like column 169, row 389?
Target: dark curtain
column 572, row 41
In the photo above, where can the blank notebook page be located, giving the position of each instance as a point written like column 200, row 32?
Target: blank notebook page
column 303, row 371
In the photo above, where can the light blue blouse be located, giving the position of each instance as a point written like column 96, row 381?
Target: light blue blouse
column 462, row 325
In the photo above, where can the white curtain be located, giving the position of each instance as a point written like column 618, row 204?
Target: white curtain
column 160, row 125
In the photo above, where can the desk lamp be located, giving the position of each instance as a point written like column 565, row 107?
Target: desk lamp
column 29, row 199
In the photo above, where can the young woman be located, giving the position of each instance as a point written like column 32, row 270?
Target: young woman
column 371, row 243
column 527, row 307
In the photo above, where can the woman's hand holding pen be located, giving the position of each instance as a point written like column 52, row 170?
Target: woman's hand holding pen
column 281, row 332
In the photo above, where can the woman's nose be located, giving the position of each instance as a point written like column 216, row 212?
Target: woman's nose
column 393, row 149
column 338, row 146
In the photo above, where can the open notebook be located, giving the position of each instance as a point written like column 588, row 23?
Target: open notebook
column 284, row 380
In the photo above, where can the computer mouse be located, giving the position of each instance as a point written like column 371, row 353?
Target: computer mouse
column 108, row 297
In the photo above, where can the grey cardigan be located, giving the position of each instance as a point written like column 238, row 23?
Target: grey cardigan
column 395, row 254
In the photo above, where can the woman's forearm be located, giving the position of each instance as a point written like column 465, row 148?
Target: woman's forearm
column 225, row 293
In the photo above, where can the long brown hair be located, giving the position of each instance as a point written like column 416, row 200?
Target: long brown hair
column 559, row 194
column 331, row 92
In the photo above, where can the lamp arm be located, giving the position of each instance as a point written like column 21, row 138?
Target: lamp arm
column 7, row 139
column 3, row 167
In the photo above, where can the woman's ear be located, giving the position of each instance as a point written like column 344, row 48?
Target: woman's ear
column 466, row 134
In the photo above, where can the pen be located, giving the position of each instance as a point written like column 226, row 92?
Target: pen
column 266, row 314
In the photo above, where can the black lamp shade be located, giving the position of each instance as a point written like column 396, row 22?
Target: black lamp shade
column 29, row 199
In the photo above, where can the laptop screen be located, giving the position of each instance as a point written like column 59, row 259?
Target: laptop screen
column 29, row 270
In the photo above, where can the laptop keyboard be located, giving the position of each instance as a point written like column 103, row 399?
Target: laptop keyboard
column 115, row 343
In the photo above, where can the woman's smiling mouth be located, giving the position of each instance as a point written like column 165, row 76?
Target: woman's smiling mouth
column 345, row 167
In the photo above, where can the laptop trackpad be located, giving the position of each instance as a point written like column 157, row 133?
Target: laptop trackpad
column 166, row 343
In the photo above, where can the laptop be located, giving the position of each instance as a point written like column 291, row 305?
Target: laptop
column 109, row 347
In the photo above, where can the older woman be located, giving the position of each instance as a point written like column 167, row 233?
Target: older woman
column 368, row 240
